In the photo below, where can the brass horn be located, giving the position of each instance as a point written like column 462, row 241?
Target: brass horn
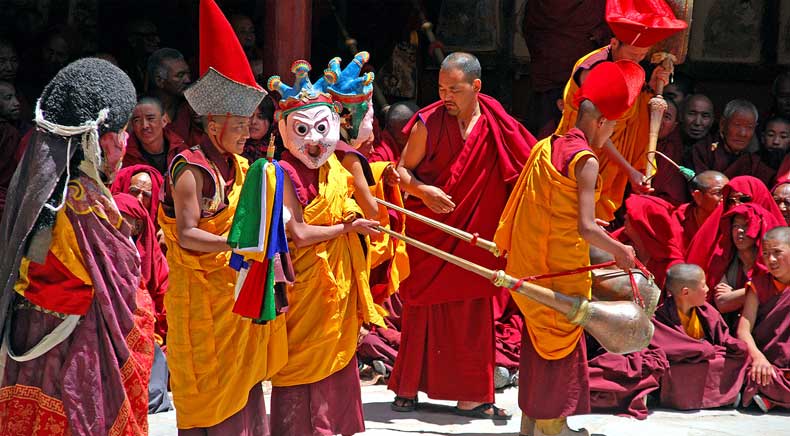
column 619, row 326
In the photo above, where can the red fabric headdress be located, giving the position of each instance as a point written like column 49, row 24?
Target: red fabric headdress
column 642, row 23
column 612, row 87
column 123, row 180
column 712, row 246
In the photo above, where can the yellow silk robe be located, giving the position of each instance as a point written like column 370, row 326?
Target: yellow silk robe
column 539, row 230
column 630, row 137
column 215, row 356
column 330, row 298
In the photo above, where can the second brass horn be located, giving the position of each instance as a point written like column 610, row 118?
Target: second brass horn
column 619, row 326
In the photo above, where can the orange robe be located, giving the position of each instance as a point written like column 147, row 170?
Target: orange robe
column 630, row 137
column 539, row 231
column 215, row 356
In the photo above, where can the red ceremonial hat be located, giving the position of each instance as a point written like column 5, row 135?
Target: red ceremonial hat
column 642, row 23
column 226, row 84
column 612, row 87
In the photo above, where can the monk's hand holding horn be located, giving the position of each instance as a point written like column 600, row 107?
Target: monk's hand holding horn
column 363, row 226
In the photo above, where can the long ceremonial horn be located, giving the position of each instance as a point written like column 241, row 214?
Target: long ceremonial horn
column 458, row 233
column 619, row 326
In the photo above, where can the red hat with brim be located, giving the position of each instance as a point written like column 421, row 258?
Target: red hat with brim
column 612, row 87
column 642, row 23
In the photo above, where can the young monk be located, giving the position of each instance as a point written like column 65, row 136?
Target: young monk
column 548, row 226
column 706, row 364
column 765, row 326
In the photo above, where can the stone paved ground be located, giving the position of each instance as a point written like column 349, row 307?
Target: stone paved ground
column 434, row 421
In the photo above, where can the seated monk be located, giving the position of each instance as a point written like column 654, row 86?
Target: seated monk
column 774, row 143
column 731, row 154
column 706, row 194
column 765, row 326
column 741, row 189
column 150, row 142
column 735, row 257
column 781, row 194
column 654, row 234
column 668, row 181
column 706, row 364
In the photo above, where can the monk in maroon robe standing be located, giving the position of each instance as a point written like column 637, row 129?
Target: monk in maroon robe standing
column 765, row 326
column 463, row 153
column 706, row 364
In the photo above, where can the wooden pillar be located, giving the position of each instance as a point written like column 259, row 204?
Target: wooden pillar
column 288, row 35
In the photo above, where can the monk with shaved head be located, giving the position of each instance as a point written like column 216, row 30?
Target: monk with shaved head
column 706, row 363
column 706, row 189
column 765, row 326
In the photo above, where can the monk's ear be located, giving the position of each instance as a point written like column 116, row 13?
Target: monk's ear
column 685, row 291
column 477, row 85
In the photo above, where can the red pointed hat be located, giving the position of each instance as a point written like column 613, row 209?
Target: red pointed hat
column 612, row 87
column 226, row 85
column 642, row 23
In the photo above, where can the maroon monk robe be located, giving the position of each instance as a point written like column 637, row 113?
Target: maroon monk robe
column 185, row 126
column 688, row 215
column 447, row 342
column 718, row 158
column 702, row 373
column 123, row 181
column 771, row 332
column 9, row 142
column 135, row 155
column 619, row 383
column 668, row 182
column 383, row 344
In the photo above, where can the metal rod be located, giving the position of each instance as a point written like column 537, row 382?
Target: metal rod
column 562, row 303
column 458, row 233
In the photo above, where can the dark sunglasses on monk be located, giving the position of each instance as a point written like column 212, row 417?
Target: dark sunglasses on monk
column 740, row 199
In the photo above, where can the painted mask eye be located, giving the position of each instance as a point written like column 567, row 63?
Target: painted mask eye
column 322, row 127
column 301, row 129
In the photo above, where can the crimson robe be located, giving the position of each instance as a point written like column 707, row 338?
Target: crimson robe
column 649, row 219
column 685, row 214
column 185, row 127
column 619, row 383
column 123, row 181
column 718, row 158
column 668, row 182
column 771, row 333
column 134, row 154
column 153, row 265
column 703, row 373
column 9, row 142
column 448, row 315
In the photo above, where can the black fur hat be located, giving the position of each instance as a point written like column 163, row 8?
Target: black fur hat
column 83, row 88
